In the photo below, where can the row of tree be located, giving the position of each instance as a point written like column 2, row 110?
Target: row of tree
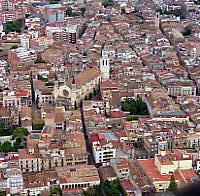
column 107, row 188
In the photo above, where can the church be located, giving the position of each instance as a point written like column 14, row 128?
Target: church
column 71, row 92
column 76, row 89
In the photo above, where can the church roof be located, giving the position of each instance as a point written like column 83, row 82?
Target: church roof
column 86, row 76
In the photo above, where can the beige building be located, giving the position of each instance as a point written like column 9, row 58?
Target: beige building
column 53, row 148
column 78, row 177
column 29, row 162
column 182, row 89
column 160, row 169
column 78, row 88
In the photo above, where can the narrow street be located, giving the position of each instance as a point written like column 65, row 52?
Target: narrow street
column 91, row 160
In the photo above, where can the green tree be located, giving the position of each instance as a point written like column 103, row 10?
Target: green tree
column 126, row 106
column 53, row 1
column 123, row 10
column 37, row 126
column 14, row 47
column 49, row 84
column 2, row 125
column 111, row 188
column 131, row 118
column 138, row 144
column 5, row 129
column 6, row 147
column 2, row 193
column 135, row 107
column 40, row 77
column 82, row 9
column 56, row 190
column 39, row 61
column 14, row 26
column 18, row 140
column 20, row 132
column 90, row 96
column 69, row 11
column 108, row 3
column 173, row 187
column 94, row 191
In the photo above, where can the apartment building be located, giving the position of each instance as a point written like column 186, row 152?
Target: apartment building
column 41, row 43
column 29, row 162
column 53, row 149
column 35, row 183
column 67, row 33
column 54, row 13
column 121, row 167
column 16, row 98
column 33, row 22
column 160, row 169
column 186, row 88
column 12, row 10
column 151, row 145
column 21, row 56
column 14, row 180
column 103, row 152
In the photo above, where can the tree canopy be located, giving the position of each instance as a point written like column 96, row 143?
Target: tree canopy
column 70, row 13
column 131, row 118
column 20, row 132
column 5, row 129
column 112, row 188
column 173, row 187
column 56, row 190
column 37, row 126
column 108, row 3
column 6, row 147
column 54, row 1
column 135, row 107
column 14, row 47
column 39, row 61
column 14, row 26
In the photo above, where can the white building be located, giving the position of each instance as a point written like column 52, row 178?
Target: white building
column 32, row 23
column 103, row 151
column 68, row 33
column 104, row 65
column 13, row 180
column 22, row 56
column 2, row 33
column 3, row 68
column 16, row 98
column 25, row 41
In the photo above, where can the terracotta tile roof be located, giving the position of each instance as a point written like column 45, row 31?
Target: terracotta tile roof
column 23, row 154
column 86, row 76
column 116, row 114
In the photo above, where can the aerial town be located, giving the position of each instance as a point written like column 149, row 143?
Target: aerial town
column 99, row 98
